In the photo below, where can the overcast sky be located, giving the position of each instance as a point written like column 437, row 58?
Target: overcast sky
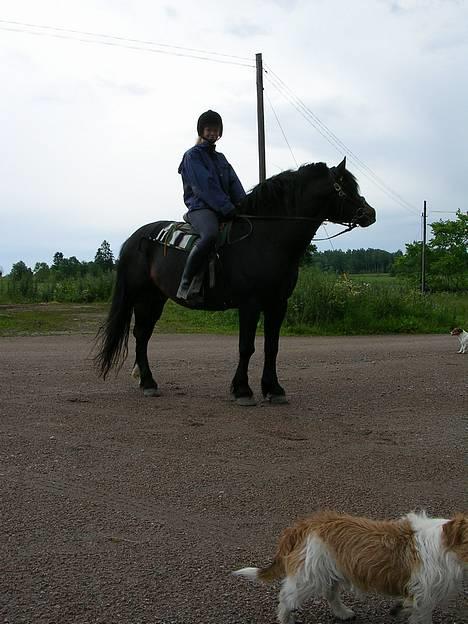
column 91, row 134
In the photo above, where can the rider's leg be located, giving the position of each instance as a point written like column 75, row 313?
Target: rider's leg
column 205, row 223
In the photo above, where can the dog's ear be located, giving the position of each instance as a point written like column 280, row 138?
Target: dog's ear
column 456, row 531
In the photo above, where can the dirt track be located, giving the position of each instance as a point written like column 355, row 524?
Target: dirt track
column 120, row 508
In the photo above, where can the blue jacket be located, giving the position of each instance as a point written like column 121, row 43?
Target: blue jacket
column 209, row 180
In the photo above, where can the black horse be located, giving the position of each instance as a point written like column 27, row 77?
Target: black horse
column 257, row 271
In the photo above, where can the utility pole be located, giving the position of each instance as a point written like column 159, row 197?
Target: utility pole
column 260, row 119
column 423, row 252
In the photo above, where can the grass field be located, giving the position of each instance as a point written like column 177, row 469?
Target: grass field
column 320, row 305
column 50, row 318
column 74, row 318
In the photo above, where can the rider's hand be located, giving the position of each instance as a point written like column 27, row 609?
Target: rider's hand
column 228, row 216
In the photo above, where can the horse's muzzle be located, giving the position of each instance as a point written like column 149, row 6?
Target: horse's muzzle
column 365, row 215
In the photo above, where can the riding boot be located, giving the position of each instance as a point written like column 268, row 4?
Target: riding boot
column 192, row 266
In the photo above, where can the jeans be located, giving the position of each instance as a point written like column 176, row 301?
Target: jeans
column 205, row 222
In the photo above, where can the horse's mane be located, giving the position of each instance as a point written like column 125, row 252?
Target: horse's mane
column 278, row 194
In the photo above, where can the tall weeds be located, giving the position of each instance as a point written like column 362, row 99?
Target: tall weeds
column 325, row 303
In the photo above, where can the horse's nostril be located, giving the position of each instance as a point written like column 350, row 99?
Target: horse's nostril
column 367, row 219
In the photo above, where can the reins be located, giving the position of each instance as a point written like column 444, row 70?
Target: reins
column 277, row 217
column 350, row 227
column 248, row 217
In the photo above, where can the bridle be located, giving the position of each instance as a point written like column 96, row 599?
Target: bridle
column 342, row 197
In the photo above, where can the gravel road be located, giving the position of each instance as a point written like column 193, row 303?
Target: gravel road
column 120, row 508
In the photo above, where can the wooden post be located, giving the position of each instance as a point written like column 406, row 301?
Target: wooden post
column 260, row 119
column 423, row 252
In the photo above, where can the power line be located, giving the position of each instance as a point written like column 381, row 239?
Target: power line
column 294, row 158
column 329, row 136
column 281, row 128
column 323, row 126
column 142, row 48
column 119, row 38
column 338, row 142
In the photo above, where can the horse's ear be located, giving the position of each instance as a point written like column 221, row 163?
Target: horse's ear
column 342, row 166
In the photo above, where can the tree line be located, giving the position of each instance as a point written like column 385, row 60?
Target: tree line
column 66, row 279
column 352, row 260
column 446, row 258
column 72, row 280
column 67, row 267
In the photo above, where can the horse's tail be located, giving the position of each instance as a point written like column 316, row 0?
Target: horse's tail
column 112, row 336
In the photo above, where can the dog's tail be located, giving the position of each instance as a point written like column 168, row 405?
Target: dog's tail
column 287, row 558
column 266, row 575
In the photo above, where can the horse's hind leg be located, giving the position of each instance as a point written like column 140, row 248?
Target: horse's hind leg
column 147, row 310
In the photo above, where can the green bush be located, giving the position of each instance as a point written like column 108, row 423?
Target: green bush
column 29, row 289
column 323, row 303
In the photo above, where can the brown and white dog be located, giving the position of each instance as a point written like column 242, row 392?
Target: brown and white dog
column 416, row 558
column 462, row 337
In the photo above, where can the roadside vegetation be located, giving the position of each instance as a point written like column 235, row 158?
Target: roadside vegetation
column 354, row 292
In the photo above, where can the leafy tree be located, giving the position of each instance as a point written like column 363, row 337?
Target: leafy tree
column 446, row 256
column 20, row 271
column 104, row 257
column 451, row 236
column 67, row 267
column 58, row 259
column 41, row 271
column 308, row 257
column 21, row 281
column 409, row 263
column 71, row 267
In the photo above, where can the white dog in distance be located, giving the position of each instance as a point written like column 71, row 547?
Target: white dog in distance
column 462, row 337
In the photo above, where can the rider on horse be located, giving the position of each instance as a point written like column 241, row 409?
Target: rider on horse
column 211, row 192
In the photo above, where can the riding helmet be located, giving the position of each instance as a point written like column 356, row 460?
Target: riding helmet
column 209, row 118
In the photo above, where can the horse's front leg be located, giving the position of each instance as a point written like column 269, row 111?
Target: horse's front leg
column 274, row 314
column 147, row 313
column 249, row 313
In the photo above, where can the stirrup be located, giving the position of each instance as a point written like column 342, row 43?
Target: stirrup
column 183, row 291
column 192, row 290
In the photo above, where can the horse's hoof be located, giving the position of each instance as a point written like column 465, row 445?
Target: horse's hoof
column 151, row 392
column 276, row 399
column 396, row 609
column 245, row 401
column 135, row 372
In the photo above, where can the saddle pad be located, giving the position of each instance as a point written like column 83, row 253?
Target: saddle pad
column 182, row 236
column 178, row 235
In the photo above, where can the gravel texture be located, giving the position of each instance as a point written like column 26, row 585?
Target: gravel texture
column 121, row 508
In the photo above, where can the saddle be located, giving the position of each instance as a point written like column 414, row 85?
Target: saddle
column 181, row 235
